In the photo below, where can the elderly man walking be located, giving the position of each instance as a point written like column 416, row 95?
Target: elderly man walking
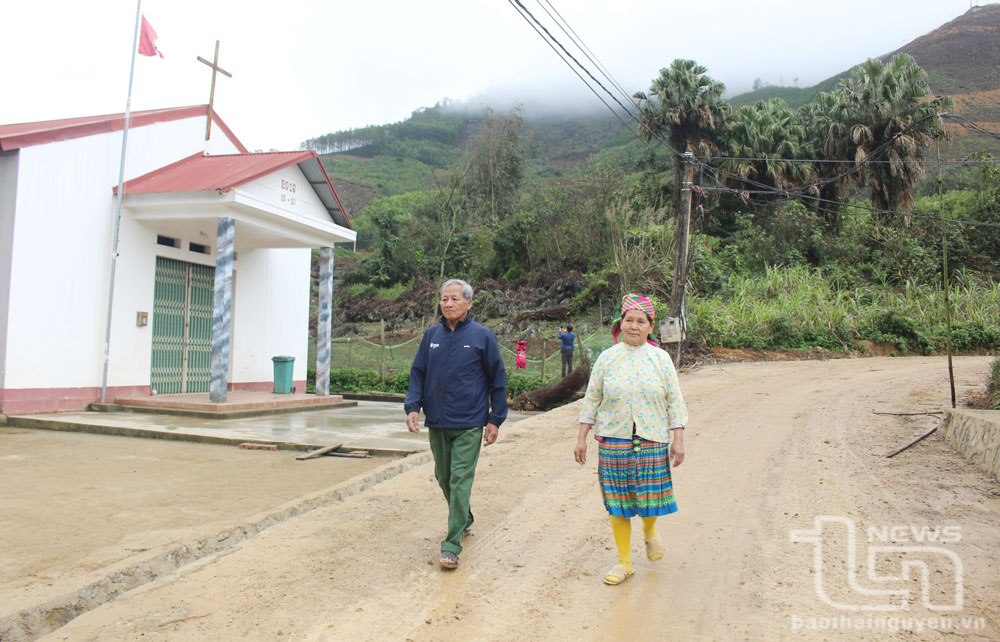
column 458, row 379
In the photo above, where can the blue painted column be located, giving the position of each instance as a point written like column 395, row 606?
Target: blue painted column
column 222, row 309
column 324, row 321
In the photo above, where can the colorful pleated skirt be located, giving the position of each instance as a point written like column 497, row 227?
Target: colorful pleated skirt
column 635, row 483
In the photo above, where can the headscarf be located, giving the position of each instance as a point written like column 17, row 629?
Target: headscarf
column 634, row 302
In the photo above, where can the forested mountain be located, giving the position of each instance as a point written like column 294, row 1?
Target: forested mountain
column 815, row 222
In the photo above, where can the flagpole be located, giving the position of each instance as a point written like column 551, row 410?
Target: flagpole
column 118, row 203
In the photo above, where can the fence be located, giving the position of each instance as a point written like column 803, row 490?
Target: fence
column 389, row 359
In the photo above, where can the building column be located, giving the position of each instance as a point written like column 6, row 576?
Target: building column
column 222, row 309
column 324, row 321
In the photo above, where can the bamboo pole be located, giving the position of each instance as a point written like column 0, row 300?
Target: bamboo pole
column 544, row 352
column 944, row 276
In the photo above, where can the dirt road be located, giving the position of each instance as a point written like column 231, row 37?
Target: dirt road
column 770, row 447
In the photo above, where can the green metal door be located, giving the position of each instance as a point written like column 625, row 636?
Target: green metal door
column 199, row 343
column 182, row 327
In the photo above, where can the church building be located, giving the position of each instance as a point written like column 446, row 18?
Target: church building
column 211, row 277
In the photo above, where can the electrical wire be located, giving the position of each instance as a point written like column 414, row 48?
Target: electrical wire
column 516, row 4
column 591, row 56
column 549, row 37
column 720, row 175
column 959, row 161
column 571, row 56
column 867, row 210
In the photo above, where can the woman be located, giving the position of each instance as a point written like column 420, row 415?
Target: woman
column 521, row 350
column 635, row 402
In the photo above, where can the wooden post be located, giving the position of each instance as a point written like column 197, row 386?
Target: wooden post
column 350, row 344
column 600, row 304
column 381, row 356
column 544, row 352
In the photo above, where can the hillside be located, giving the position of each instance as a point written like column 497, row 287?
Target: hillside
column 386, row 160
column 522, row 201
column 961, row 58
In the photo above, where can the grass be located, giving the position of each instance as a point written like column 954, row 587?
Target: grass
column 799, row 308
column 384, row 175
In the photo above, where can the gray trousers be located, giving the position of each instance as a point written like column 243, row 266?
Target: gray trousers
column 567, row 362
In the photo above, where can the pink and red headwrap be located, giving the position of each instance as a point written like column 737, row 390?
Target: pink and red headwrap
column 633, row 302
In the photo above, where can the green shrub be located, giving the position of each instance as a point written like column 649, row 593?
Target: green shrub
column 783, row 334
column 902, row 331
column 352, row 380
column 518, row 382
column 969, row 336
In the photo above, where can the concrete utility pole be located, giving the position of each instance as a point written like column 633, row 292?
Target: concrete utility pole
column 683, row 237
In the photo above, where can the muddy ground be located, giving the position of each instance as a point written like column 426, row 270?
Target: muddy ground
column 770, row 447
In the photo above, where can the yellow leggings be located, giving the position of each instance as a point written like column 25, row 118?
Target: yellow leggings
column 621, row 527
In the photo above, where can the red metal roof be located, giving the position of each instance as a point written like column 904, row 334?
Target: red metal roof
column 200, row 172
column 49, row 131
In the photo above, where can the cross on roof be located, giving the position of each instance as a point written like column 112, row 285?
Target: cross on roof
column 211, row 96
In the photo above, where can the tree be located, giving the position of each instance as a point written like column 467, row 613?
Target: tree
column 495, row 158
column 686, row 106
column 889, row 119
column 827, row 140
column 448, row 213
column 762, row 141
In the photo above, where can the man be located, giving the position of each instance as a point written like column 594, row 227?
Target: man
column 459, row 380
column 567, row 337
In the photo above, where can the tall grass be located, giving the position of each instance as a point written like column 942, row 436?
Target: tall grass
column 799, row 307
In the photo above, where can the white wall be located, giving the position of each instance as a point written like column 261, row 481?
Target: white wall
column 289, row 190
column 61, row 257
column 272, row 312
column 8, row 199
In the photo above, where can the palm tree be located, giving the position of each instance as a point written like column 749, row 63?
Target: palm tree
column 762, row 141
column 890, row 119
column 687, row 107
column 827, row 140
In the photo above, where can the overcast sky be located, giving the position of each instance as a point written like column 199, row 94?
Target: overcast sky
column 302, row 68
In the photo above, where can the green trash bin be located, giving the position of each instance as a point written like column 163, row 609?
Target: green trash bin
column 283, row 374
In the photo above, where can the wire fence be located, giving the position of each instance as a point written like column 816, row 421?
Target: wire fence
column 544, row 358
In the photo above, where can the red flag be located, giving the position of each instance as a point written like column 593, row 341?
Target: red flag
column 147, row 40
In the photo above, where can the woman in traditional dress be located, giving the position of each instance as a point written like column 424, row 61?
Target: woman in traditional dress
column 521, row 360
column 634, row 402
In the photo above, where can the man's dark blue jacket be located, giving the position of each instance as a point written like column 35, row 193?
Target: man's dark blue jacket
column 458, row 377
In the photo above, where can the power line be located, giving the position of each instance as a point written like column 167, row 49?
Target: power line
column 719, row 174
column 521, row 9
column 518, row 7
column 578, row 41
column 968, row 124
column 959, row 161
column 571, row 56
column 868, row 210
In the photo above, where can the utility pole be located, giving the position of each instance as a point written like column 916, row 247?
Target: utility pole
column 683, row 237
